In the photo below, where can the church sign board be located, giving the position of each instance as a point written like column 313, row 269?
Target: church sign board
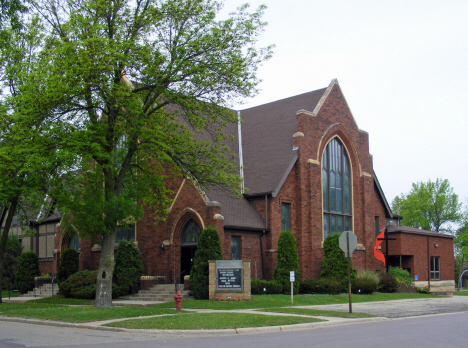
column 229, row 280
column 229, row 275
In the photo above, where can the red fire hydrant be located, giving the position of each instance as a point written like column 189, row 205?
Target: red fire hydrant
column 178, row 300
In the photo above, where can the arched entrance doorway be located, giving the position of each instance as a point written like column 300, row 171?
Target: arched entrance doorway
column 188, row 246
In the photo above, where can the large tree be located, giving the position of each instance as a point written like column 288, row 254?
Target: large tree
column 31, row 157
column 432, row 206
column 149, row 83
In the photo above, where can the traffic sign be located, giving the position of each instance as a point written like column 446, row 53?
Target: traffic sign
column 292, row 276
column 352, row 242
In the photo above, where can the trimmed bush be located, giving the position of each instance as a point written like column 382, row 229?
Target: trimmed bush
column 80, row 285
column 69, row 264
column 13, row 251
column 208, row 248
column 401, row 275
column 265, row 287
column 364, row 286
column 320, row 286
column 387, row 283
column 286, row 261
column 28, row 268
column 128, row 269
column 335, row 265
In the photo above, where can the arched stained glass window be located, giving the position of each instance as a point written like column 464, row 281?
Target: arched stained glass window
column 191, row 233
column 336, row 189
column 74, row 243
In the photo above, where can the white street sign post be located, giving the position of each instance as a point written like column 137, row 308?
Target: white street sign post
column 348, row 242
column 292, row 278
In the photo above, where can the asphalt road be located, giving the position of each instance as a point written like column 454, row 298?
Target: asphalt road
column 447, row 330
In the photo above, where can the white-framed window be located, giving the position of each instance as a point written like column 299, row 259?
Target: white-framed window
column 435, row 268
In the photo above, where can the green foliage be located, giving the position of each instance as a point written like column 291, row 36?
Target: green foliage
column 28, row 268
column 265, row 287
column 423, row 290
column 387, row 283
column 128, row 269
column 432, row 206
column 10, row 263
column 208, row 248
column 321, row 286
column 400, row 275
column 334, row 264
column 80, row 285
column 287, row 260
column 10, row 11
column 69, row 264
column 363, row 274
column 364, row 286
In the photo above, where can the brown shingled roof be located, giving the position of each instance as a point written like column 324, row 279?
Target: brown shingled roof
column 267, row 140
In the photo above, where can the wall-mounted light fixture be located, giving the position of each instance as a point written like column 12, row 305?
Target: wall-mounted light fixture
column 162, row 246
column 436, row 245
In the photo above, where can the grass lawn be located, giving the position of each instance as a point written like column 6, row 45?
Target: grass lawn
column 306, row 311
column 73, row 311
column 12, row 294
column 199, row 321
column 463, row 293
column 267, row 301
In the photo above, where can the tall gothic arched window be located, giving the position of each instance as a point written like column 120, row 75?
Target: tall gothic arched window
column 191, row 233
column 336, row 189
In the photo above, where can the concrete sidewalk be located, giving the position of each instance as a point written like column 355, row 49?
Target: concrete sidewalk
column 384, row 310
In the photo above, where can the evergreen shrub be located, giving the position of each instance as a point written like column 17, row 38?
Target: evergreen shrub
column 287, row 260
column 364, row 286
column 128, row 269
column 320, row 286
column 387, row 283
column 28, row 269
column 69, row 264
column 13, row 251
column 265, row 287
column 335, row 265
column 80, row 285
column 208, row 248
column 401, row 275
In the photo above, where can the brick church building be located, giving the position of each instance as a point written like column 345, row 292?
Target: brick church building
column 307, row 168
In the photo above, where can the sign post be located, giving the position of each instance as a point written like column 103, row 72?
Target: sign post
column 292, row 278
column 348, row 242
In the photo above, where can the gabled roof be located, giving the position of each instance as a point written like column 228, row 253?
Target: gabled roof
column 267, row 140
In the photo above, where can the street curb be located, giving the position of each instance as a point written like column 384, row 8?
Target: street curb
column 240, row 331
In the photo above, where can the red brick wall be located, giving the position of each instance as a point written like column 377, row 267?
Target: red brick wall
column 418, row 245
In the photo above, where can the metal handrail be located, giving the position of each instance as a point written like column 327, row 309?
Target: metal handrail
column 175, row 281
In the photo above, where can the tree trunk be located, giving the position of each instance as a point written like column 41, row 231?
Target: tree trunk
column 104, row 277
column 4, row 237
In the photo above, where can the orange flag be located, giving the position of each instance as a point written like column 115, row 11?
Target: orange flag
column 377, row 253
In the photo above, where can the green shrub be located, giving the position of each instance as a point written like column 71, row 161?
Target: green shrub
column 335, row 265
column 13, row 251
column 69, row 264
column 28, row 268
column 265, row 287
column 362, row 274
column 286, row 261
column 208, row 248
column 80, row 285
column 387, row 283
column 128, row 269
column 320, row 286
column 424, row 290
column 401, row 275
column 364, row 286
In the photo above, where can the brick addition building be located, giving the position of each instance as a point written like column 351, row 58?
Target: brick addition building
column 307, row 168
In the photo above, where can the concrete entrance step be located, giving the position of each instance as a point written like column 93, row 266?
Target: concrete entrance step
column 159, row 292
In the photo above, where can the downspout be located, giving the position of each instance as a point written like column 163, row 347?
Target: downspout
column 241, row 156
column 261, row 237
column 428, row 265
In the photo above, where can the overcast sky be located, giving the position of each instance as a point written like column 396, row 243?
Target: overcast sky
column 402, row 66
